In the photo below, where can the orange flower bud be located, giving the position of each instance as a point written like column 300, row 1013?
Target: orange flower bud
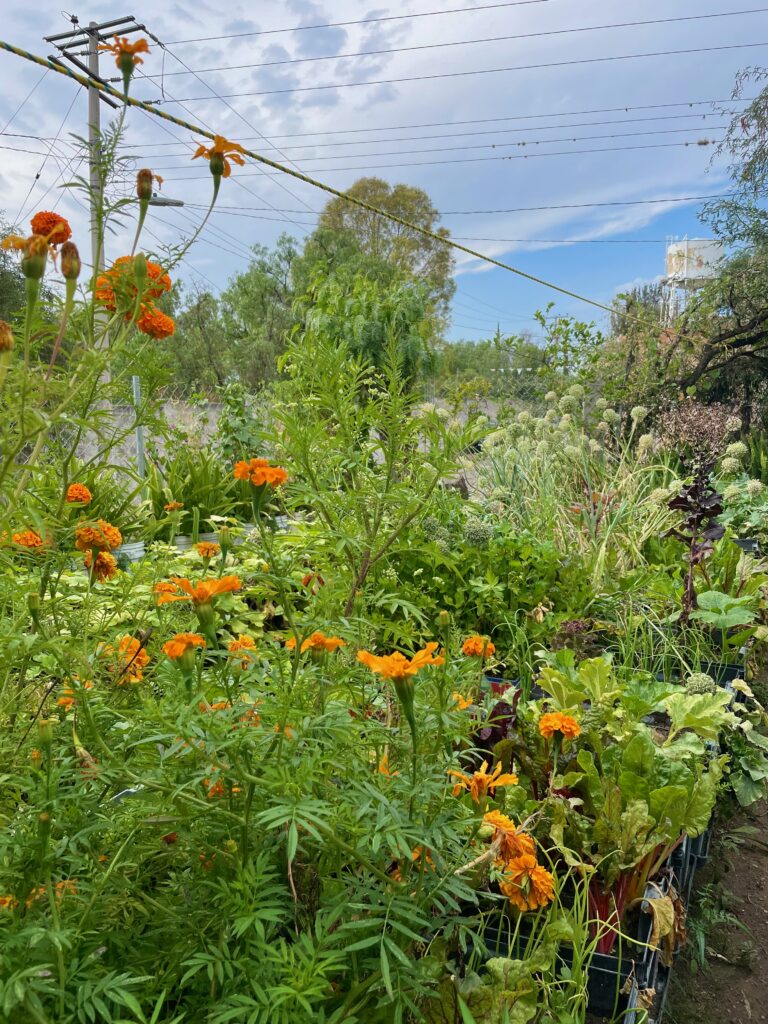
column 6, row 337
column 70, row 261
column 35, row 253
column 144, row 184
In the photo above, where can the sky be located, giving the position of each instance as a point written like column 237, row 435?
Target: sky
column 542, row 141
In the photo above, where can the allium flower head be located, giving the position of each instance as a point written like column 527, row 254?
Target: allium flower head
column 551, row 396
column 736, row 450
column 611, row 417
column 730, row 465
column 754, row 487
column 523, row 417
column 601, row 404
column 638, row 413
column 732, row 492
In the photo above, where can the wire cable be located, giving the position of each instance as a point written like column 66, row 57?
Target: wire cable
column 240, row 210
column 486, row 145
column 36, row 178
column 236, row 112
column 486, row 159
column 23, row 103
column 467, row 74
column 362, row 21
column 464, row 42
column 163, row 152
column 307, row 179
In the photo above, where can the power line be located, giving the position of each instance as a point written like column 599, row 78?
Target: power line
column 466, row 42
column 23, row 103
column 147, row 151
column 519, row 117
column 485, row 159
column 45, row 160
column 486, row 145
column 236, row 112
column 307, row 179
column 465, row 74
column 361, row 21
column 241, row 211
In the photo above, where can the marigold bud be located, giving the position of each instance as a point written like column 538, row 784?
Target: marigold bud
column 6, row 337
column 45, row 731
column 443, row 619
column 70, row 261
column 140, row 267
column 34, row 256
column 144, row 184
column 216, row 164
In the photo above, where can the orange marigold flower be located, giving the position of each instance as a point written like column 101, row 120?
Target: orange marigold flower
column 217, row 705
column 131, row 660
column 177, row 647
column 28, row 539
column 154, row 323
column 245, row 647
column 462, row 702
column 79, row 493
column 526, row 883
column 126, row 53
column 512, row 843
column 384, row 769
column 214, row 788
column 207, row 549
column 260, row 473
column 99, row 536
column 396, row 666
column 52, row 226
column 6, row 337
column 480, row 784
column 554, row 722
column 198, row 593
column 478, row 647
column 105, row 567
column 219, row 155
column 173, row 506
column 67, row 698
column 317, row 641
column 8, row 903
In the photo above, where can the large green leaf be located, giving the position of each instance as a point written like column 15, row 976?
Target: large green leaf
column 640, row 755
column 633, row 787
column 701, row 802
column 566, row 694
column 668, row 807
column 705, row 713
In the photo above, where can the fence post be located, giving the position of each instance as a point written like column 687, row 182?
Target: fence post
column 140, row 460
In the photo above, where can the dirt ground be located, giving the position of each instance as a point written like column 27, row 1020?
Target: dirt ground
column 732, row 986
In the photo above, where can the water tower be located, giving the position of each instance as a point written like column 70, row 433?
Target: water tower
column 691, row 263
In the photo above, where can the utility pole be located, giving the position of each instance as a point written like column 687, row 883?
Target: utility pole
column 94, row 150
column 84, row 42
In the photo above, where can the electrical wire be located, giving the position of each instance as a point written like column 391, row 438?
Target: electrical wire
column 36, row 178
column 486, row 159
column 465, row 74
column 362, row 21
column 307, row 179
column 236, row 112
column 465, row 42
column 519, row 117
column 486, row 145
column 23, row 103
column 148, row 151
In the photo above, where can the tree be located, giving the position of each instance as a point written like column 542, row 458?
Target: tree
column 257, row 311
column 346, row 232
column 366, row 317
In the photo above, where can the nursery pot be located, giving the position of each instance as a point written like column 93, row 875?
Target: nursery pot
column 211, row 538
column 183, row 542
column 749, row 545
column 130, row 551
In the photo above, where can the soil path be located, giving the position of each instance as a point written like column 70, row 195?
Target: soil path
column 733, row 986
